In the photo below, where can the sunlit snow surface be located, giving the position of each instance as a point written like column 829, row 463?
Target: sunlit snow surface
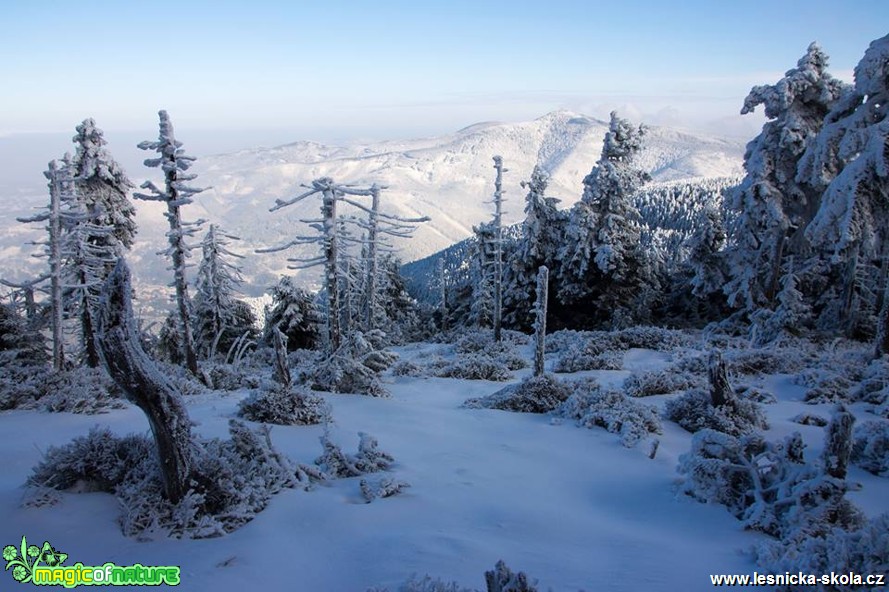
column 569, row 506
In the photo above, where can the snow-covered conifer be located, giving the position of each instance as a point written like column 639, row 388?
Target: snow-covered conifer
column 293, row 312
column 772, row 205
column 102, row 186
column 219, row 318
column 601, row 254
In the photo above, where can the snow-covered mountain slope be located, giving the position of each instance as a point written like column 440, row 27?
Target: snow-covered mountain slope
column 448, row 178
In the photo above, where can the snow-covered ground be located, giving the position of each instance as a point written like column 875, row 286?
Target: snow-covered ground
column 571, row 507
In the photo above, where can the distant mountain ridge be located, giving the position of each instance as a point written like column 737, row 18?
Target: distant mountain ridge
column 447, row 178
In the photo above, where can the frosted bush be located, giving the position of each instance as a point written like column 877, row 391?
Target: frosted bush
column 874, row 385
column 229, row 377
column 810, row 419
column 863, row 550
column 232, row 480
column 335, row 463
column 591, row 406
column 578, row 362
column 385, row 487
column 661, row 382
column 768, row 486
column 82, row 390
column 285, row 406
column 755, row 394
column 406, row 368
column 694, row 411
column 870, row 447
column 656, row 338
column 824, row 386
column 474, row 367
column 535, row 394
column 354, row 367
column 765, row 361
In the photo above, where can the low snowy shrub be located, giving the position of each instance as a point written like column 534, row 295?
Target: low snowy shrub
column 644, row 337
column 535, row 394
column 870, row 447
column 98, row 461
column 500, row 579
column 694, row 411
column 591, row 406
column 862, row 551
column 406, row 368
column 765, row 361
column 824, row 386
column 578, row 362
column 755, row 394
column 335, row 463
column 385, row 487
column 661, row 382
column 354, row 367
column 232, row 480
column 81, row 390
column 768, row 486
column 874, row 385
column 229, row 377
column 285, row 406
column 810, row 419
column 566, row 339
column 473, row 367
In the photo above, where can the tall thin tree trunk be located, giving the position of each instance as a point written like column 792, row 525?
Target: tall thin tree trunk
column 328, row 208
column 540, row 320
column 443, row 304
column 498, row 252
column 370, row 284
column 55, row 264
column 144, row 384
column 178, row 248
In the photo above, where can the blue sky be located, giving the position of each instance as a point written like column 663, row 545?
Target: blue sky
column 387, row 69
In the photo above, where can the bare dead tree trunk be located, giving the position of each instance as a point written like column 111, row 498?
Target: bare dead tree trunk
column 328, row 209
column 370, row 285
column 498, row 252
column 55, row 262
column 838, row 443
column 720, row 389
column 443, row 297
column 143, row 384
column 540, row 319
column 282, row 371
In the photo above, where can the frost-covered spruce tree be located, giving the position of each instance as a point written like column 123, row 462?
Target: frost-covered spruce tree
column 601, row 253
column 294, row 313
column 219, row 318
column 100, row 226
column 705, row 256
column 173, row 161
column 848, row 160
column 772, row 205
column 537, row 246
column 103, row 186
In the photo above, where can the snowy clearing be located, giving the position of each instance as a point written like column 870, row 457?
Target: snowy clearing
column 571, row 507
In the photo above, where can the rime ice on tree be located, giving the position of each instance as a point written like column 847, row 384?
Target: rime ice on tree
column 173, row 161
